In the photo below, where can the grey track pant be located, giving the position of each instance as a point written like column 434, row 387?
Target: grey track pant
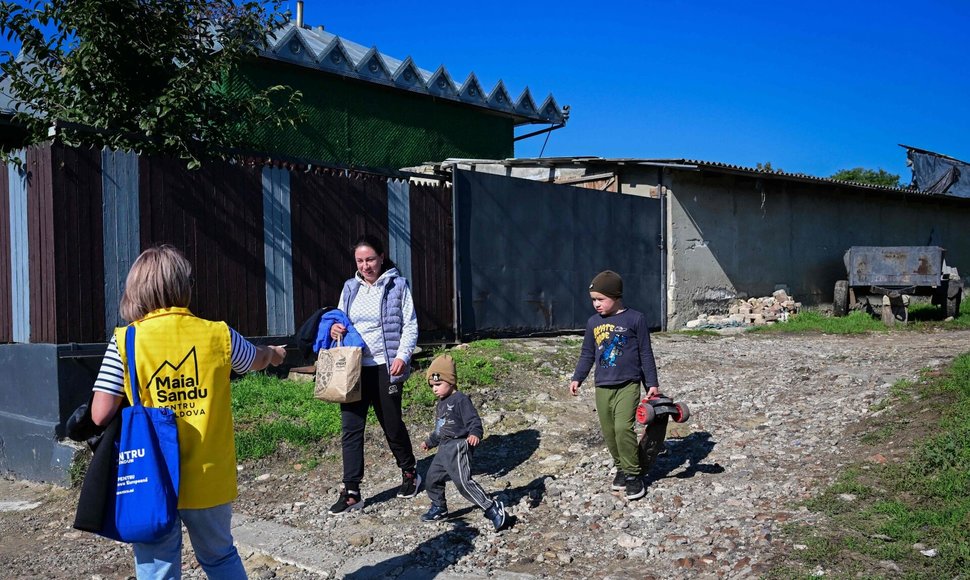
column 452, row 461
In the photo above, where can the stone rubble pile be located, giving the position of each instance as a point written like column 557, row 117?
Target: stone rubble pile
column 751, row 312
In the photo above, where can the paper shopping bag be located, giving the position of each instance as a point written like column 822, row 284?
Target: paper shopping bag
column 338, row 374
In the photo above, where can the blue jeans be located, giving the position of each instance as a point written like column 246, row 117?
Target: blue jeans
column 211, row 540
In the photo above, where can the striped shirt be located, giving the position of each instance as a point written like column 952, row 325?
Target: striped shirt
column 111, row 377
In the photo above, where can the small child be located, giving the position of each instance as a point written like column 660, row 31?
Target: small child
column 618, row 340
column 457, row 431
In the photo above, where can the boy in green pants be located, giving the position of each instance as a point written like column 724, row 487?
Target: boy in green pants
column 617, row 340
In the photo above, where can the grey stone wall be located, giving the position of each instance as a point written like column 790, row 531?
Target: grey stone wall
column 736, row 236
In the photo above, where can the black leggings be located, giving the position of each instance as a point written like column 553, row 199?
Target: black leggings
column 375, row 383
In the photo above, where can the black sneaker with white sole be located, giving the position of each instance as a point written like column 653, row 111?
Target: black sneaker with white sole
column 619, row 481
column 435, row 514
column 410, row 484
column 348, row 501
column 496, row 514
column 634, row 487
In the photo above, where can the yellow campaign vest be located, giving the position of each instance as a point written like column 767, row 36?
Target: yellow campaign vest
column 183, row 363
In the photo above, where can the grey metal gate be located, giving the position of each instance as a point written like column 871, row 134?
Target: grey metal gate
column 527, row 250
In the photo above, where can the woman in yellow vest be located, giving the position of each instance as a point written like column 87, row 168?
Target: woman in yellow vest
column 186, row 361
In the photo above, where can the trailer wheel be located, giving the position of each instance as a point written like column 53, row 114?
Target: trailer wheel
column 840, row 300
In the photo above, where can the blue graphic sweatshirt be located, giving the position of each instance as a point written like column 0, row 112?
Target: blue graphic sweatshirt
column 619, row 345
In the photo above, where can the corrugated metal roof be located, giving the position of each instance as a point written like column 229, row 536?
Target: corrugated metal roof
column 699, row 165
column 688, row 164
column 319, row 49
column 716, row 165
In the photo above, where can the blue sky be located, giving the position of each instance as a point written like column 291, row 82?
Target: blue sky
column 813, row 88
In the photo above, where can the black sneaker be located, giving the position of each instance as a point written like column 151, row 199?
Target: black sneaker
column 436, row 513
column 634, row 487
column 619, row 481
column 410, row 483
column 347, row 502
column 496, row 514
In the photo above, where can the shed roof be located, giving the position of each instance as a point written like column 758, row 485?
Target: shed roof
column 321, row 50
column 678, row 163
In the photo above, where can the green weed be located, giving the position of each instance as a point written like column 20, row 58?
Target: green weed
column 855, row 323
column 269, row 411
column 924, row 500
column 78, row 469
column 881, row 434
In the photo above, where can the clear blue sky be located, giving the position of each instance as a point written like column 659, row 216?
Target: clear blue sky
column 811, row 89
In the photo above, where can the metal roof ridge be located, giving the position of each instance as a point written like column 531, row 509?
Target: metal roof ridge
column 297, row 45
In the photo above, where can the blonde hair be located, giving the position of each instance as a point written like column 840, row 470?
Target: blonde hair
column 161, row 277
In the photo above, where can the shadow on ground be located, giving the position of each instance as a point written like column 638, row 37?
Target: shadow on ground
column 690, row 450
column 426, row 561
column 496, row 455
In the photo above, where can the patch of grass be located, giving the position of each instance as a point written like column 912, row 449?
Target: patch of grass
column 922, row 316
column 697, row 332
column 78, row 469
column 881, row 434
column 855, row 323
column 515, row 357
column 894, row 507
column 475, row 361
column 902, row 388
column 269, row 411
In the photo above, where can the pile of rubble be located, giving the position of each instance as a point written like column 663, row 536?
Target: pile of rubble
column 751, row 312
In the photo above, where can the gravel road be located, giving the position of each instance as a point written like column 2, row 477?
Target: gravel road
column 773, row 419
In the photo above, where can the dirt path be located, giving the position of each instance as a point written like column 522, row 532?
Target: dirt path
column 773, row 419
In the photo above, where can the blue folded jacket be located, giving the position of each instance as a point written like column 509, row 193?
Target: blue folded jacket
column 331, row 317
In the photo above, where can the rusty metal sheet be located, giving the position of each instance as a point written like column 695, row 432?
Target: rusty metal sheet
column 894, row 266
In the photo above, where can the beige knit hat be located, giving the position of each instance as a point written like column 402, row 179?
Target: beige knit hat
column 443, row 369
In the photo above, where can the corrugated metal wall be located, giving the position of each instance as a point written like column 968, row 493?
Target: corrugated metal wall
column 77, row 236
column 41, row 270
column 122, row 237
column 330, row 211
column 6, row 227
column 215, row 216
column 278, row 251
column 527, row 251
column 271, row 245
column 432, row 259
column 19, row 250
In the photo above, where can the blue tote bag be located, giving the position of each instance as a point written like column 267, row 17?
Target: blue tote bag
column 146, row 498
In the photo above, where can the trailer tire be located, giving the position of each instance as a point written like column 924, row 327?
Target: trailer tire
column 840, row 299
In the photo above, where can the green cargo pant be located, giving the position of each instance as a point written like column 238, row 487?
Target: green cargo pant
column 616, row 406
